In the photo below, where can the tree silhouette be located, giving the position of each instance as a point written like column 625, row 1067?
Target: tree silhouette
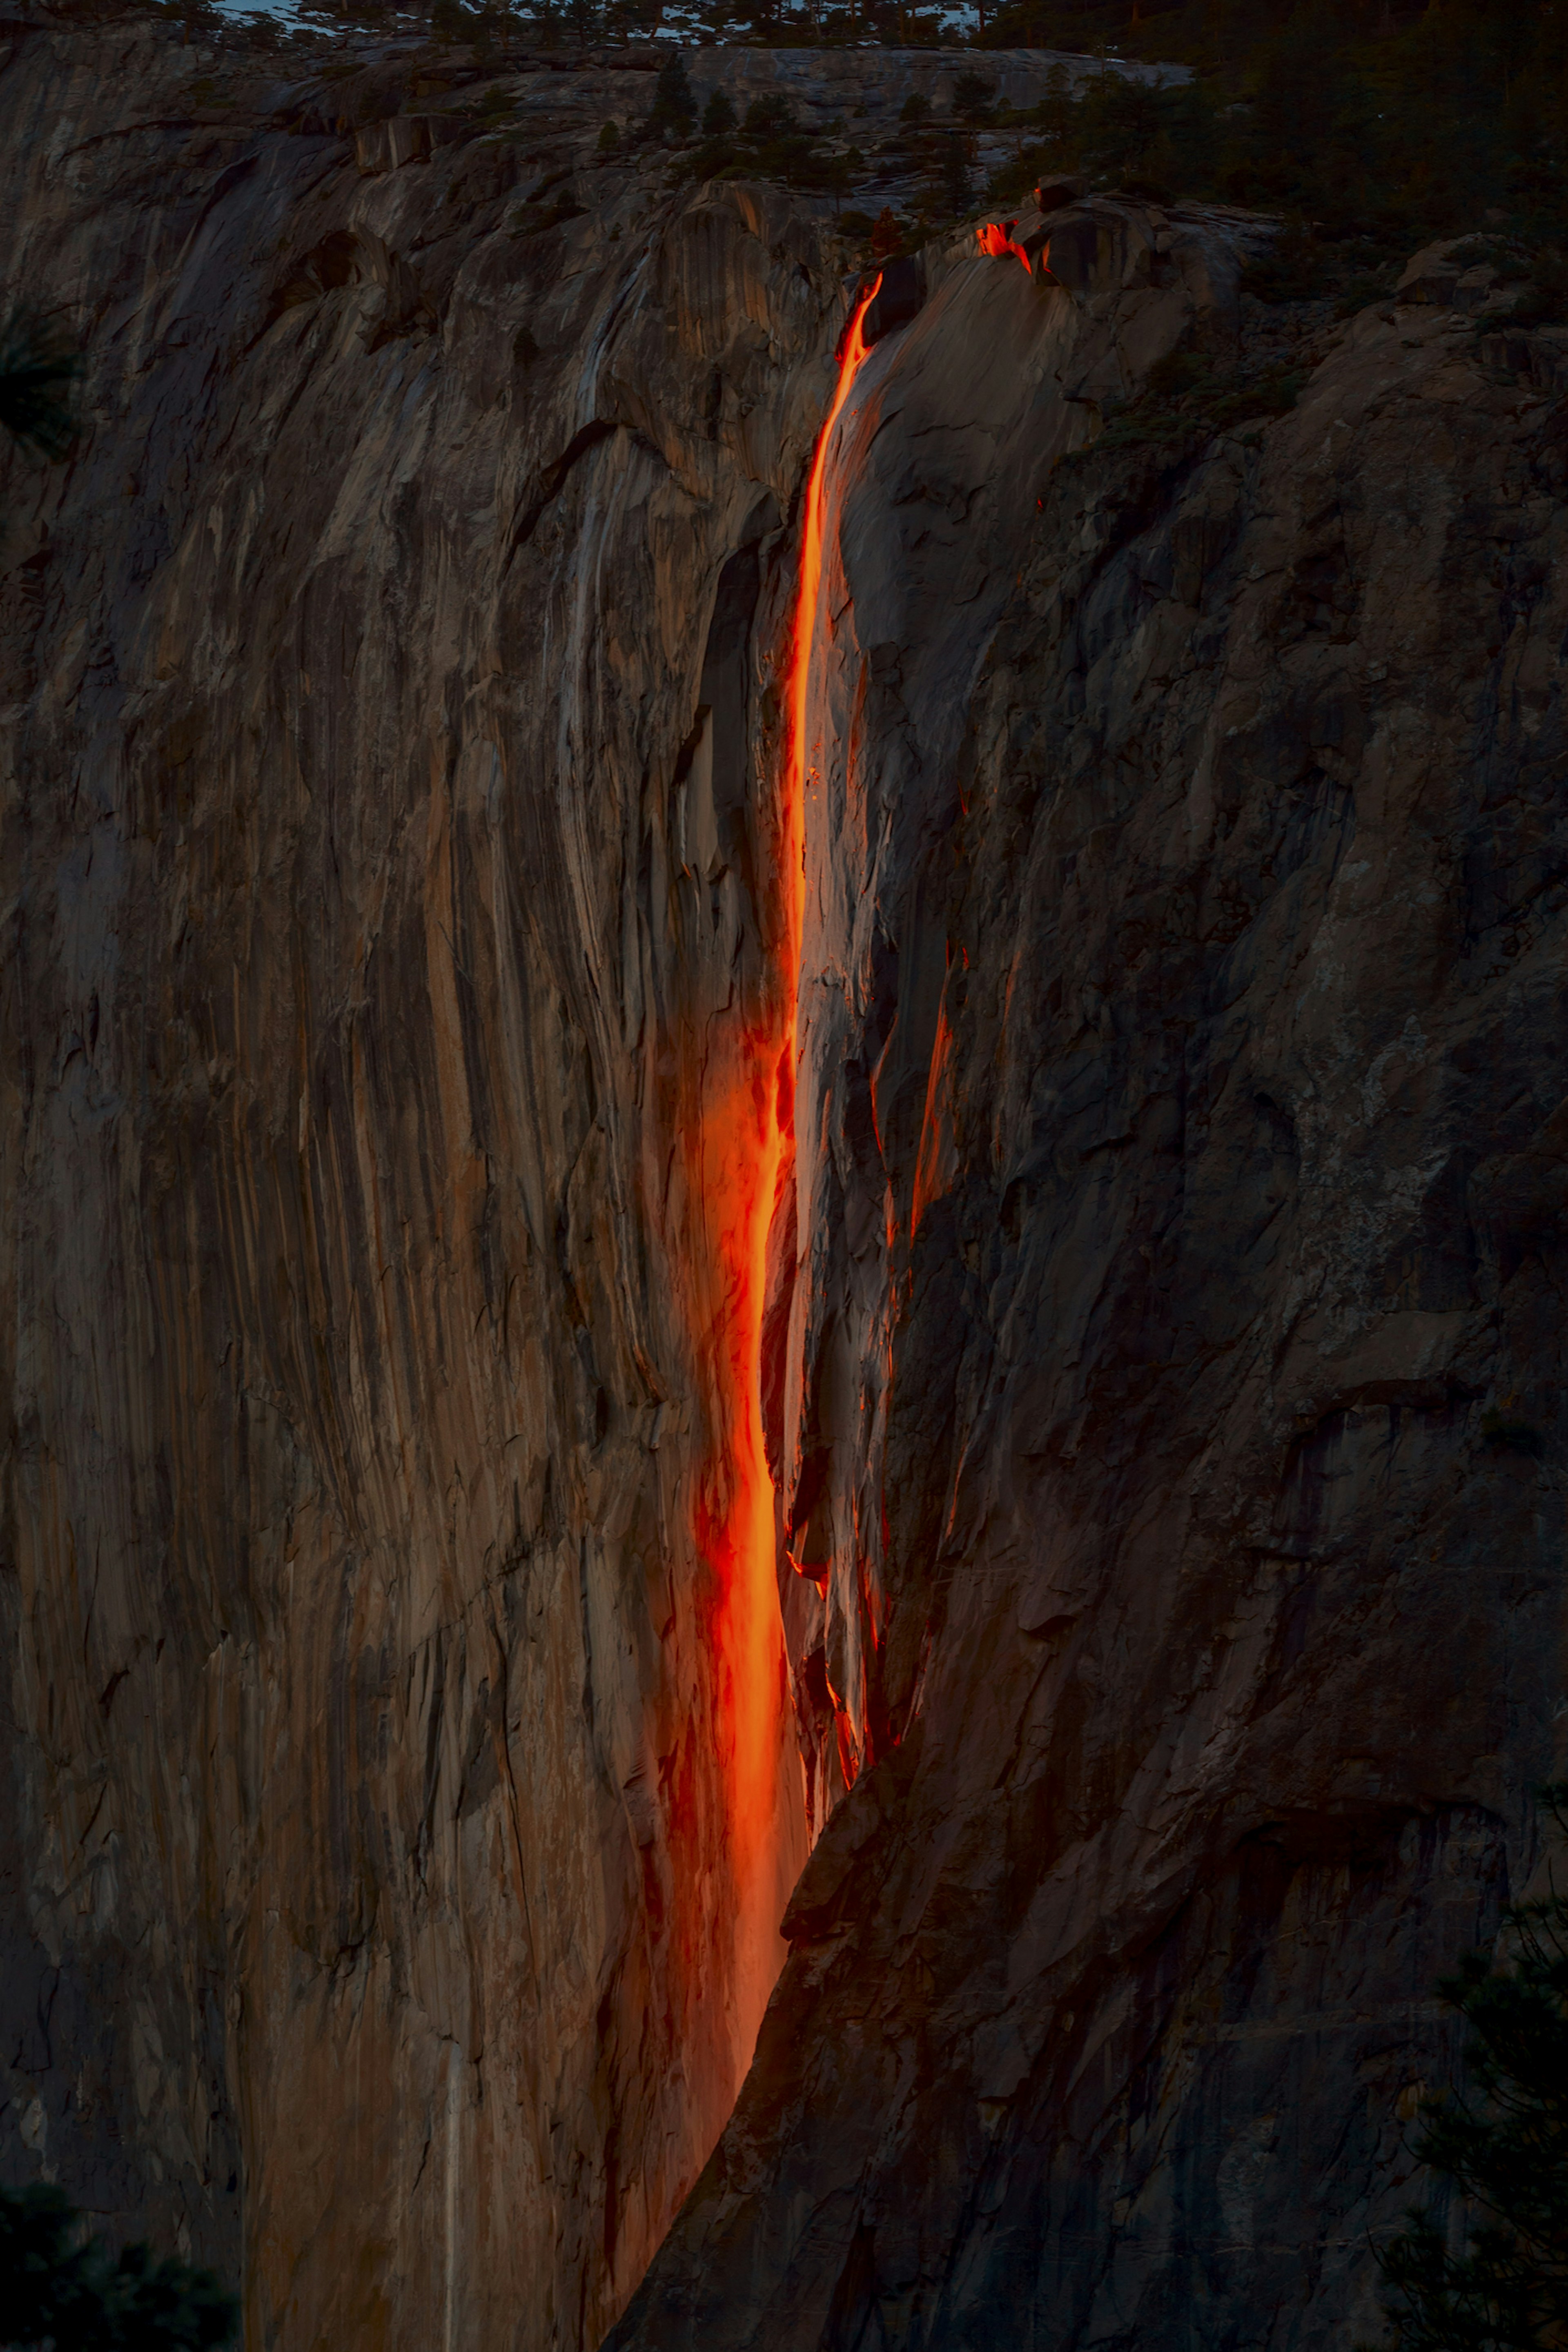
column 62, row 2290
column 1505, row 2147
column 38, row 371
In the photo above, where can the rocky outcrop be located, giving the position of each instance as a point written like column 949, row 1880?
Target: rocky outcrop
column 1159, row 1365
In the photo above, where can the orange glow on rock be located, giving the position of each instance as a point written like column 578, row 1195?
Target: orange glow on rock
column 851, row 352
column 995, row 239
column 742, row 1155
column 744, row 1139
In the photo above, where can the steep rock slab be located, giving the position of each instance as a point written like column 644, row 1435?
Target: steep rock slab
column 940, row 464
column 1183, row 1575
column 380, row 954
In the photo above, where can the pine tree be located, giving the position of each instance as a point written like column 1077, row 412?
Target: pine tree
column 957, row 187
column 1505, row 2147
column 971, row 98
column 674, row 107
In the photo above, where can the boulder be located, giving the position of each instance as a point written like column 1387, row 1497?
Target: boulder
column 1432, row 276
column 1062, row 188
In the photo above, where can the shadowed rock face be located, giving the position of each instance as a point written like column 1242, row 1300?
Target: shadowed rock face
column 1193, row 918
column 393, row 871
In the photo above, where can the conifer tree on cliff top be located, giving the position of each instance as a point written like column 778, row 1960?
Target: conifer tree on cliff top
column 1505, row 2147
column 674, row 106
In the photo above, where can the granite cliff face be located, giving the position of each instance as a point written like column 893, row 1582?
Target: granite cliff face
column 377, row 1865
column 1152, row 1334
column 1190, row 1051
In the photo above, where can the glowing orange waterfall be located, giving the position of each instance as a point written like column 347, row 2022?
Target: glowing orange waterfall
column 746, row 1141
column 995, row 239
column 851, row 352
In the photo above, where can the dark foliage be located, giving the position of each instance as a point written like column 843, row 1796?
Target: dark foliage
column 719, row 115
column 887, row 234
column 1505, row 2147
column 770, row 117
column 1500, row 1430
column 62, row 2290
column 972, row 97
column 1187, row 399
column 769, row 144
column 39, row 369
column 1380, row 121
column 954, row 187
column 673, row 107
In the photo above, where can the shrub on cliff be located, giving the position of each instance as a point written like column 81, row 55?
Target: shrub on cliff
column 39, row 369
column 769, row 144
column 1187, row 398
column 1505, row 2147
column 949, row 188
column 62, row 2289
column 973, row 98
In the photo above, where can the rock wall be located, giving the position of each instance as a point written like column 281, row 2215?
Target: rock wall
column 380, row 1902
column 1159, row 1358
column 1180, row 1354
